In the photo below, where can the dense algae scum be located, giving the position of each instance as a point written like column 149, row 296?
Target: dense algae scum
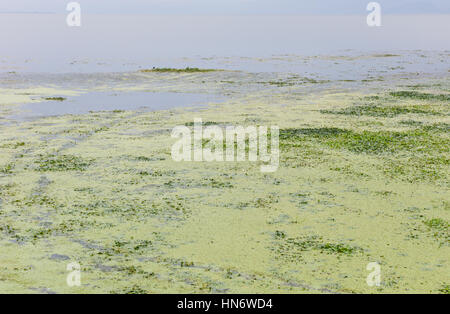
column 363, row 178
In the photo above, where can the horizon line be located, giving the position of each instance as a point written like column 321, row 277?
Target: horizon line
column 224, row 14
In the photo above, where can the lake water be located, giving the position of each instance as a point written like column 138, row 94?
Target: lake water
column 110, row 101
column 41, row 49
column 105, row 43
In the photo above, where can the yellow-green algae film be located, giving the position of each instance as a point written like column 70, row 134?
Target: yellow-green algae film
column 363, row 178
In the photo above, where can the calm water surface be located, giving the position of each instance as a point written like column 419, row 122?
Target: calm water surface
column 106, row 43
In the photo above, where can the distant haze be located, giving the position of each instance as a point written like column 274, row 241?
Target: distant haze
column 229, row 7
column 44, row 43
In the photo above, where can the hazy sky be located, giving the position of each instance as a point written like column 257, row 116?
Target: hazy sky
column 217, row 7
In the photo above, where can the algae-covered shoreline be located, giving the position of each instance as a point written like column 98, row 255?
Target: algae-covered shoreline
column 363, row 177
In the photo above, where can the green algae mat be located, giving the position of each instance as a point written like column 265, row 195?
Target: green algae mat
column 363, row 179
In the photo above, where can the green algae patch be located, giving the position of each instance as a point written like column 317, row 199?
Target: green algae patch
column 54, row 98
column 174, row 70
column 382, row 111
column 47, row 163
column 366, row 141
column 420, row 96
column 385, row 55
column 413, row 155
column 293, row 81
column 7, row 169
column 440, row 229
column 205, row 123
column 14, row 145
column 437, row 127
column 294, row 246
column 445, row 289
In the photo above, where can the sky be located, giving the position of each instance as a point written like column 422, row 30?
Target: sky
column 228, row 7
